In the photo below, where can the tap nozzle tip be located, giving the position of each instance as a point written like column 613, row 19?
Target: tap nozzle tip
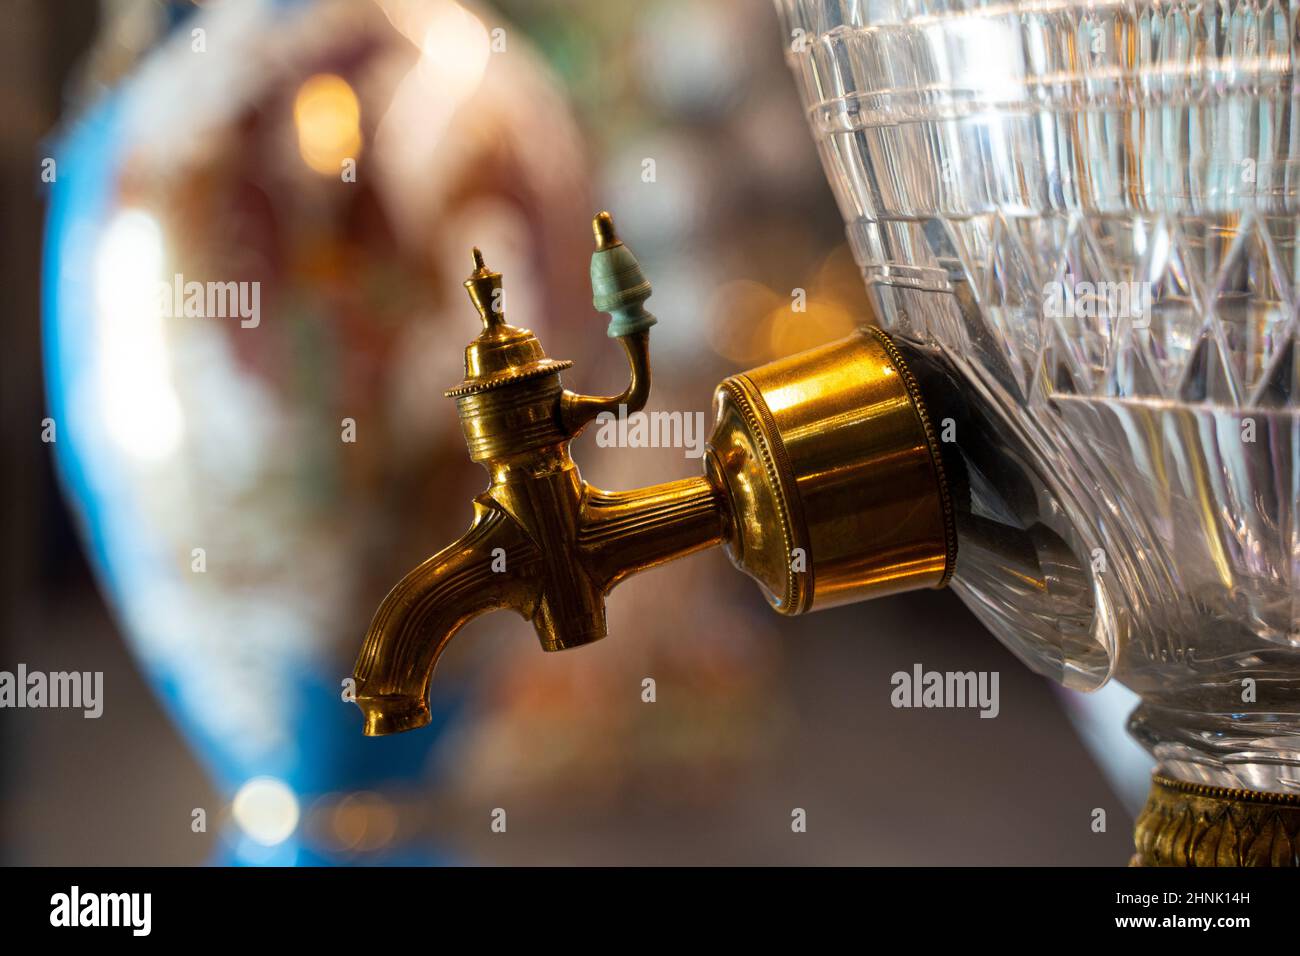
column 603, row 228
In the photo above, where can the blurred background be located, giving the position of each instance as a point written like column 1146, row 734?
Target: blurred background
column 146, row 139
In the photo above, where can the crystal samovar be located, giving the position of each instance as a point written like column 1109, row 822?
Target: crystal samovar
column 1076, row 403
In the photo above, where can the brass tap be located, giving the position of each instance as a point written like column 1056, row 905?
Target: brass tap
column 823, row 480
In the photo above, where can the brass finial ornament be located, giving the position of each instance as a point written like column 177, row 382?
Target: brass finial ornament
column 823, row 481
column 484, row 288
column 502, row 353
column 603, row 229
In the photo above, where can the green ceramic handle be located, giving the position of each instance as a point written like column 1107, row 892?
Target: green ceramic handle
column 618, row 286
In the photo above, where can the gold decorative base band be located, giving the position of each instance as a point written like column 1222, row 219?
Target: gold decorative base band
column 1192, row 824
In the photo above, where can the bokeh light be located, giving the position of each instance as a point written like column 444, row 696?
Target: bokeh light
column 266, row 810
column 328, row 118
column 140, row 409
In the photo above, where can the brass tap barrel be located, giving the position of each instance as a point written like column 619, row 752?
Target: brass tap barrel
column 822, row 479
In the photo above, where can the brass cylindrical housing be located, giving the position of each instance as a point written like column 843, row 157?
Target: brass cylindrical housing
column 833, row 476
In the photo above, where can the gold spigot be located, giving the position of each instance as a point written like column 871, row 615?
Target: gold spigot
column 823, row 480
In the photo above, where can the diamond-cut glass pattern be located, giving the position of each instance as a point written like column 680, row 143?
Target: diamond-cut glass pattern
column 987, row 154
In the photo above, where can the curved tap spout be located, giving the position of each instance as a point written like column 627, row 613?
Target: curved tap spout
column 428, row 606
column 578, row 411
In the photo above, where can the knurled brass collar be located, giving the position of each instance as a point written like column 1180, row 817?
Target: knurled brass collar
column 505, row 374
column 932, row 443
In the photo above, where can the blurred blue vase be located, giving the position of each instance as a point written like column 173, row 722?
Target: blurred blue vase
column 252, row 467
